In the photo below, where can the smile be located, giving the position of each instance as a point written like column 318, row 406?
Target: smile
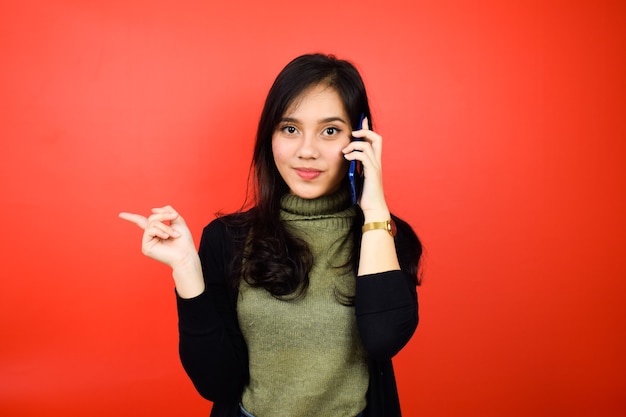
column 308, row 173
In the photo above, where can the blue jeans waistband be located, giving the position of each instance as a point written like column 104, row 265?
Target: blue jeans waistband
column 243, row 412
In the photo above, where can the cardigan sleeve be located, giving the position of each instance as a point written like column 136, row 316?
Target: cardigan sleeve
column 211, row 347
column 386, row 312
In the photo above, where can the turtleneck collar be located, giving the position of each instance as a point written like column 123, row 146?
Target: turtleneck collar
column 321, row 206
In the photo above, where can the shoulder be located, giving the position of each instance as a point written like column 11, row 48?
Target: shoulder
column 221, row 240
column 226, row 229
column 228, row 224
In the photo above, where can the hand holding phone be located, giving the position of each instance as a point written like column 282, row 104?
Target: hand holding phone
column 355, row 172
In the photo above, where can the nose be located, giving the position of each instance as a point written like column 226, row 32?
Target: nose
column 307, row 148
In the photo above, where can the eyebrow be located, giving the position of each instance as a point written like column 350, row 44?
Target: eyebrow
column 326, row 120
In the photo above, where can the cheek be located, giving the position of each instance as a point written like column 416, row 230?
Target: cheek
column 277, row 151
column 335, row 155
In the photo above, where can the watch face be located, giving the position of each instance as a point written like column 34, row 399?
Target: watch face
column 392, row 226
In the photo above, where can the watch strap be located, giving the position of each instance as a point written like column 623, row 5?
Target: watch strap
column 386, row 225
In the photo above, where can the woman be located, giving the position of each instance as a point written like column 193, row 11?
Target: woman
column 296, row 306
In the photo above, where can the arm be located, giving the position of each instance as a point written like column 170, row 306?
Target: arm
column 386, row 298
column 386, row 303
column 212, row 349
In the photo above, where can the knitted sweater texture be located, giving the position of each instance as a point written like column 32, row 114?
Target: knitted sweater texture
column 305, row 352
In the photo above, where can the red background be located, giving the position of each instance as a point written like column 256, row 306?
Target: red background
column 505, row 148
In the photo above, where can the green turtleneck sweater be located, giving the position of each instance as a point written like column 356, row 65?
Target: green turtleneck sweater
column 306, row 356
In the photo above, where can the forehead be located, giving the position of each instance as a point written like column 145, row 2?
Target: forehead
column 319, row 98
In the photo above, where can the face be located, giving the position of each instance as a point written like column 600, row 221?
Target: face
column 308, row 140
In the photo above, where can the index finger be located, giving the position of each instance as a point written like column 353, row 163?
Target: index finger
column 138, row 219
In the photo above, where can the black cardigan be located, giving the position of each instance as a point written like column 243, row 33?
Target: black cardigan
column 214, row 354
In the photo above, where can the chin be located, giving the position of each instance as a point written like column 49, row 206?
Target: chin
column 310, row 191
column 307, row 195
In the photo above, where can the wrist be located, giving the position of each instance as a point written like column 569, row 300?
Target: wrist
column 378, row 215
column 188, row 278
column 186, row 261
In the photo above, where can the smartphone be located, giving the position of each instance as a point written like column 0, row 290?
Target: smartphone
column 355, row 172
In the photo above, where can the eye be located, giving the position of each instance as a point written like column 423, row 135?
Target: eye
column 331, row 131
column 288, row 129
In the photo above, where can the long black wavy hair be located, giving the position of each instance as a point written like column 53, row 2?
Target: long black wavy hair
column 270, row 257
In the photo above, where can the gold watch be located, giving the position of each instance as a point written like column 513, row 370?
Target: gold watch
column 388, row 225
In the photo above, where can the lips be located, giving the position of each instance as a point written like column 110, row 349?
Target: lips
column 308, row 173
